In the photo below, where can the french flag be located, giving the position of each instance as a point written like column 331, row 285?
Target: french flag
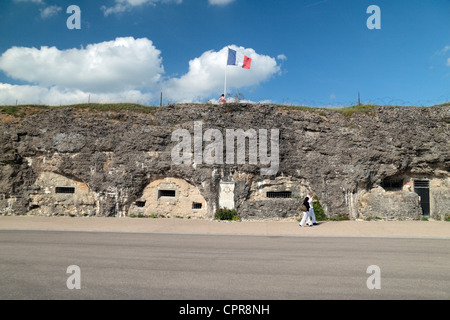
column 238, row 59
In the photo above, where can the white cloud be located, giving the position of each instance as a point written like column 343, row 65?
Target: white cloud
column 122, row 70
column 444, row 52
column 316, row 3
column 446, row 48
column 206, row 75
column 122, row 64
column 34, row 1
column 282, row 57
column 50, row 11
column 26, row 94
column 126, row 5
column 220, row 2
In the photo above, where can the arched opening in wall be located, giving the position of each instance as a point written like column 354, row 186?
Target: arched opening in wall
column 140, row 204
column 56, row 194
column 392, row 184
column 170, row 197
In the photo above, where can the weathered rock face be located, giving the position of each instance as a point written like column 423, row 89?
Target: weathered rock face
column 379, row 203
column 115, row 156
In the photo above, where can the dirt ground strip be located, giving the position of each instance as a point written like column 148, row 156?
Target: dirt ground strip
column 406, row 229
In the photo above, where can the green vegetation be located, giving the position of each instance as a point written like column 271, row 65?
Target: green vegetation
column 226, row 214
column 137, row 216
column 23, row 110
column 346, row 111
column 10, row 110
column 117, row 107
column 318, row 210
column 339, row 218
column 140, row 215
column 349, row 111
column 301, row 108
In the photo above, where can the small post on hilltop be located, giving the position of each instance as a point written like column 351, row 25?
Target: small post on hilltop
column 160, row 100
column 226, row 67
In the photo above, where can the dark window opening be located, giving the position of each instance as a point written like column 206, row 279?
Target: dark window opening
column 196, row 205
column 422, row 188
column 392, row 184
column 65, row 190
column 140, row 204
column 166, row 193
column 279, row 194
column 422, row 184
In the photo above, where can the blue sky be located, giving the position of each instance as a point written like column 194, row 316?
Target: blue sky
column 305, row 52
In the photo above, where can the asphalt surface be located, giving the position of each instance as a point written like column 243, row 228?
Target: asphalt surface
column 172, row 266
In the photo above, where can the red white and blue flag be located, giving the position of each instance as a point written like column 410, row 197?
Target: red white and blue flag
column 236, row 58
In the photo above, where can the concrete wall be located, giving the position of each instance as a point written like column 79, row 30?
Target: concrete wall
column 181, row 205
column 248, row 196
column 404, row 203
column 379, row 203
column 440, row 198
column 44, row 200
column 258, row 205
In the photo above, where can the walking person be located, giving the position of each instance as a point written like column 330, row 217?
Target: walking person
column 311, row 208
column 306, row 214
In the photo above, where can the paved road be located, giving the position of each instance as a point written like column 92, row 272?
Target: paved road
column 33, row 265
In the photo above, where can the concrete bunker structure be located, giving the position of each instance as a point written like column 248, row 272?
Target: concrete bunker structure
column 55, row 194
column 170, row 198
column 407, row 196
column 403, row 196
column 280, row 197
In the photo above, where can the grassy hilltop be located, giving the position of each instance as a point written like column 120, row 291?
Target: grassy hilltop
column 24, row 110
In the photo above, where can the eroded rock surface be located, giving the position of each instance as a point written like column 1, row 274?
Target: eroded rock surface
column 115, row 156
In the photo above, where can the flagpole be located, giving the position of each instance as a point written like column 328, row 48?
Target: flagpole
column 226, row 67
column 225, row 88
